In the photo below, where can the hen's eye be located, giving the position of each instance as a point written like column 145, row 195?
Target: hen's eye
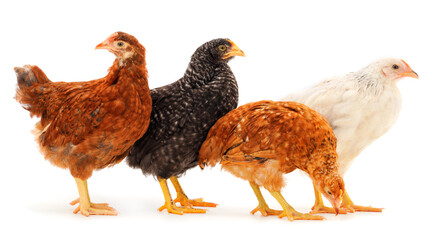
column 329, row 193
column 120, row 44
column 395, row 66
column 222, row 48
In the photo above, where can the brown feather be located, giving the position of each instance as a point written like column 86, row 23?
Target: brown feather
column 260, row 141
column 86, row 126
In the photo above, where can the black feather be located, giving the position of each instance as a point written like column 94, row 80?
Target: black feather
column 183, row 113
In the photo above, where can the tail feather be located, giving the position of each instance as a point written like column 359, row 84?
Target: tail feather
column 30, row 92
column 28, row 75
column 210, row 153
column 219, row 136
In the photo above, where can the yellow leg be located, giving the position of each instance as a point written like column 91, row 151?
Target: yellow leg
column 184, row 200
column 263, row 206
column 169, row 205
column 289, row 211
column 348, row 204
column 87, row 208
column 319, row 206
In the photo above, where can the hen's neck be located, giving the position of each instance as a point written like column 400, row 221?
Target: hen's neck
column 135, row 70
column 322, row 168
column 200, row 72
column 325, row 174
column 372, row 84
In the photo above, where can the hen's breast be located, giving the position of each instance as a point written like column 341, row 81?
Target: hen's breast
column 377, row 116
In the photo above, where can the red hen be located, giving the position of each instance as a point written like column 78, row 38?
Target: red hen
column 86, row 126
column 261, row 141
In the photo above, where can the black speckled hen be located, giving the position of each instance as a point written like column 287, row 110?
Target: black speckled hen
column 183, row 113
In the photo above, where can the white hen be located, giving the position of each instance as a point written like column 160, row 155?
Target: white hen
column 360, row 107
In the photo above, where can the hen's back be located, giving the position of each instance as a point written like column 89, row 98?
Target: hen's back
column 257, row 132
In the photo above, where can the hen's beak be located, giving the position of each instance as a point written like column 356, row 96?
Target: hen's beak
column 234, row 50
column 336, row 203
column 103, row 45
column 107, row 45
column 409, row 72
column 100, row 46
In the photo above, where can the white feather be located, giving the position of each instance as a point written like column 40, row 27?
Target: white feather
column 360, row 107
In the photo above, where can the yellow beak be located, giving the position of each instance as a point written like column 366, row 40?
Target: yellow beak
column 103, row 45
column 234, row 50
column 411, row 74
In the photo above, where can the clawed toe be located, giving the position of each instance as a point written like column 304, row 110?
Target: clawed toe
column 266, row 211
column 193, row 202
column 293, row 215
column 324, row 209
column 88, row 209
column 172, row 208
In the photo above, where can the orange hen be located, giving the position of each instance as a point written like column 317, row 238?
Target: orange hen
column 261, row 141
column 86, row 126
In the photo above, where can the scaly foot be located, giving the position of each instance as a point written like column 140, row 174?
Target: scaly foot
column 184, row 201
column 172, row 208
column 294, row 215
column 266, row 211
column 357, row 208
column 348, row 204
column 324, row 209
column 93, row 209
column 289, row 211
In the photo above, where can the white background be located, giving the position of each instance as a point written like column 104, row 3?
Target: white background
column 289, row 45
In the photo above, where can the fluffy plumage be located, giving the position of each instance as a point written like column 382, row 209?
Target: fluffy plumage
column 360, row 106
column 86, row 126
column 261, row 141
column 184, row 111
